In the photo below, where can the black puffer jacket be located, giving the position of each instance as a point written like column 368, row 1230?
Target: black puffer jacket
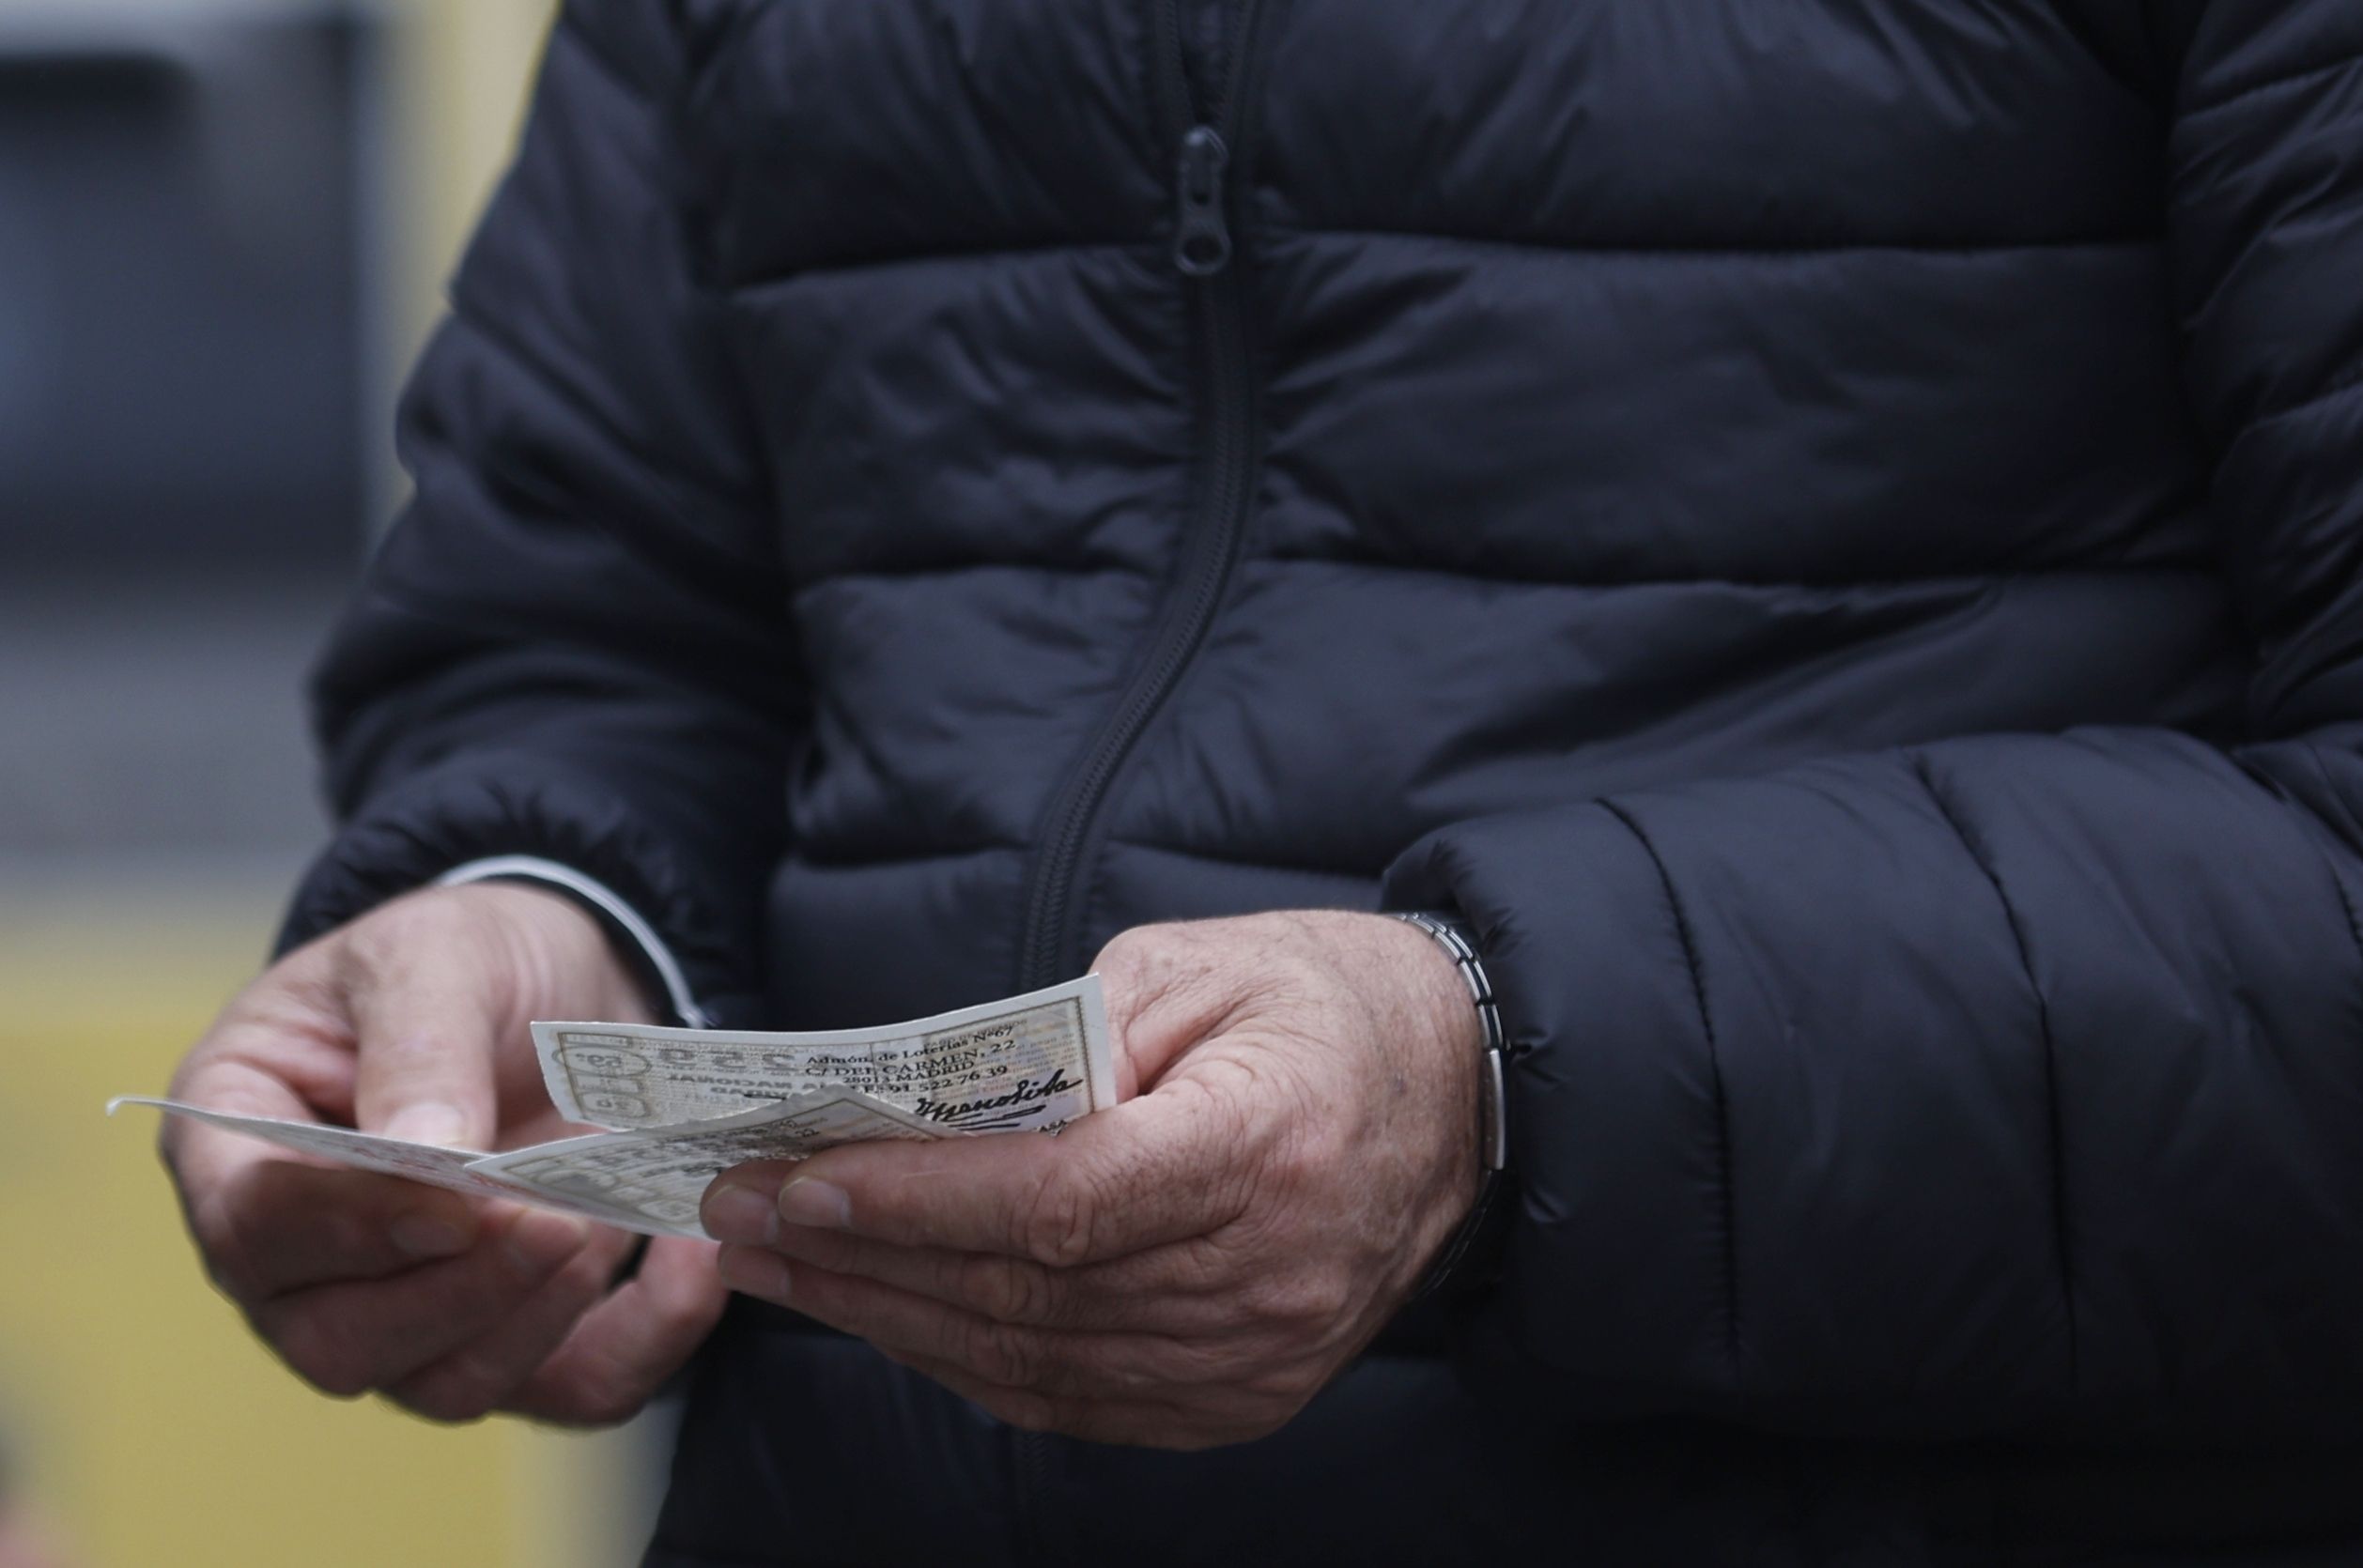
column 1830, row 530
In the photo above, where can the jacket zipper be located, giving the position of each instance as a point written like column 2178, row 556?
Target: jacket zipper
column 1206, row 141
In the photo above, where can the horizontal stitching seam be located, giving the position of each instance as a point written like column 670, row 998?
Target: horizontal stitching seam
column 1547, row 247
column 665, row 471
column 955, row 568
column 1248, row 862
column 2343, row 387
column 806, row 854
column 1966, row 580
column 501, row 639
column 2195, row 571
column 2275, row 83
column 840, row 861
column 742, row 287
column 1150, row 244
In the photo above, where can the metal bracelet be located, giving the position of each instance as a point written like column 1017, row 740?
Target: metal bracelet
column 1493, row 1125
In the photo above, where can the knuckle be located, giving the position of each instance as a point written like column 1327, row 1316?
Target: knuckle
column 1181, row 1364
column 222, row 1242
column 684, row 1322
column 376, row 942
column 674, row 1319
column 609, row 1402
column 1270, row 1302
column 1302, row 1304
column 388, row 941
column 1124, row 951
column 1216, row 1264
column 1002, row 1355
column 346, row 1235
column 597, row 1400
column 1004, row 1289
column 1138, row 965
column 1332, row 1300
column 317, row 1354
column 1299, row 1162
column 1055, row 1227
column 584, row 1279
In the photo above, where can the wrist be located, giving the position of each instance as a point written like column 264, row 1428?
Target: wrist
column 1469, row 997
column 561, row 952
column 1465, row 1253
column 660, row 987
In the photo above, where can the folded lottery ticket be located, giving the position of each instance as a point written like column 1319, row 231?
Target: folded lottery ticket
column 683, row 1105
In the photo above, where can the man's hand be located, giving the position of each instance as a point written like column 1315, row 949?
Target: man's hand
column 1190, row 1267
column 413, row 1021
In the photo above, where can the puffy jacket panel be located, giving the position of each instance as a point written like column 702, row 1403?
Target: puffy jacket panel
column 1830, row 531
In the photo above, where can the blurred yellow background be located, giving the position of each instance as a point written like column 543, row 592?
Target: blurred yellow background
column 151, row 1429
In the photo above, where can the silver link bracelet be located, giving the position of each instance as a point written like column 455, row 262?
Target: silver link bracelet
column 1492, row 1126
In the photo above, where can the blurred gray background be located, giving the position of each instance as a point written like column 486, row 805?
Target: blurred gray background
column 223, row 227
column 193, row 342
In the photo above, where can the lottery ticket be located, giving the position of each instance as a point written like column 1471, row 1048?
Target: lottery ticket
column 1031, row 1063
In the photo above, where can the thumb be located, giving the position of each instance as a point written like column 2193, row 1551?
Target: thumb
column 425, row 1011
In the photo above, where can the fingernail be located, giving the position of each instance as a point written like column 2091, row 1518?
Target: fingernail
column 539, row 1242
column 755, row 1272
column 431, row 1122
column 741, row 1214
column 426, row 1236
column 807, row 1201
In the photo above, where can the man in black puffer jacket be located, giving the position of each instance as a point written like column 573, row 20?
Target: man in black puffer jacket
column 1827, row 539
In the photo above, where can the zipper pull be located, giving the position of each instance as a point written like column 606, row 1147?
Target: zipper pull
column 1201, row 242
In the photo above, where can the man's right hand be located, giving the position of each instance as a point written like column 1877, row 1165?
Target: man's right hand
column 412, row 1021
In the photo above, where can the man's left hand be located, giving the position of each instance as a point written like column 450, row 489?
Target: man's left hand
column 1188, row 1268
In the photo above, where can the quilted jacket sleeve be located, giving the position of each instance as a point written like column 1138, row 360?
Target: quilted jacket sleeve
column 574, row 644
column 2011, row 1085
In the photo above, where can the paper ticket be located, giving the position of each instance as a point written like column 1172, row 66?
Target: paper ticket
column 1030, row 1063
column 684, row 1105
column 662, row 1176
column 648, row 1182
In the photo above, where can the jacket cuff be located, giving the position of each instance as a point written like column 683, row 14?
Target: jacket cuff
column 625, row 927
column 1614, row 1269
column 467, row 811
